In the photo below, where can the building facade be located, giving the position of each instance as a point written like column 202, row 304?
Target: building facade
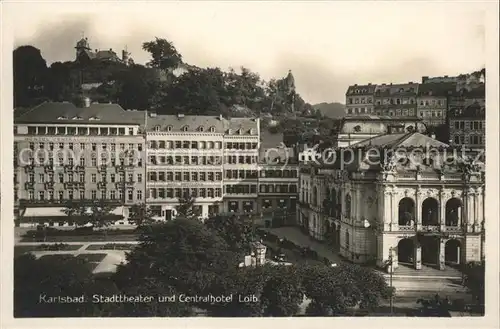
column 396, row 100
column 432, row 102
column 360, row 100
column 63, row 152
column 468, row 127
column 416, row 210
column 359, row 128
column 278, row 185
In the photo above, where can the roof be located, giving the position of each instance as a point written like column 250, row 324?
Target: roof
column 68, row 113
column 475, row 110
column 413, row 139
column 106, row 54
column 361, row 89
column 410, row 88
column 202, row 123
column 437, row 88
column 380, row 118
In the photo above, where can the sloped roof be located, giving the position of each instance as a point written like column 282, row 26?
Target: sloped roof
column 202, row 123
column 437, row 88
column 361, row 89
column 64, row 112
column 413, row 139
column 397, row 89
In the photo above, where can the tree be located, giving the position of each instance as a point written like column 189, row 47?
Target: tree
column 163, row 53
column 474, row 273
column 52, row 276
column 30, row 76
column 283, row 292
column 335, row 290
column 186, row 208
column 76, row 211
column 100, row 214
column 181, row 254
column 237, row 231
column 140, row 215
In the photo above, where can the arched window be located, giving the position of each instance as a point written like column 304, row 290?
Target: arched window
column 157, row 128
column 200, row 128
column 406, row 212
column 348, row 206
column 212, row 129
column 453, row 212
column 169, row 128
column 185, row 128
column 430, row 212
column 315, row 196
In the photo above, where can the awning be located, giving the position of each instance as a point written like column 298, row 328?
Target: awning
column 59, row 212
column 44, row 212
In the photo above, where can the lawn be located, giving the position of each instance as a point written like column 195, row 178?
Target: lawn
column 111, row 246
column 20, row 250
column 84, row 238
column 93, row 260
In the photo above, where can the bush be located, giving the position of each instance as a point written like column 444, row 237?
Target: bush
column 79, row 231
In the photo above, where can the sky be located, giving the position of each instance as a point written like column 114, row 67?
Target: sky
column 327, row 45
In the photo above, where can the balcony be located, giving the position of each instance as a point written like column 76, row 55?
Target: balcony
column 101, row 185
column 406, row 228
column 80, row 168
column 130, row 183
column 102, row 168
column 68, row 168
column 29, row 168
column 453, row 229
column 49, row 185
column 48, row 168
column 29, row 185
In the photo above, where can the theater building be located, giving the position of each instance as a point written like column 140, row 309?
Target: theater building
column 63, row 152
column 424, row 209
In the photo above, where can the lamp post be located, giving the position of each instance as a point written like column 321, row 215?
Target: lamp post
column 366, row 224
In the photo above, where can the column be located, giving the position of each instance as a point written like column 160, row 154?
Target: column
column 395, row 215
column 477, row 212
column 442, row 211
column 417, row 254
column 387, row 210
column 459, row 258
column 469, row 210
column 418, row 211
column 441, row 255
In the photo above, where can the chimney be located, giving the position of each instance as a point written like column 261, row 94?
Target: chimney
column 86, row 102
column 433, row 136
column 152, row 114
column 180, row 116
column 220, row 117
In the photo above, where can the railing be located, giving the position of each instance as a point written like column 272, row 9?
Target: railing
column 29, row 185
column 430, row 228
column 406, row 228
column 453, row 229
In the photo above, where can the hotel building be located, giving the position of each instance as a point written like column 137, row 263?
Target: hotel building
column 63, row 152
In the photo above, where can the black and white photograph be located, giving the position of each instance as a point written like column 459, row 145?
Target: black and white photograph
column 250, row 159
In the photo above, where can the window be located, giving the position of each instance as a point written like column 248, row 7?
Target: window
column 61, row 195
column 112, row 194
column 347, row 244
column 185, row 128
column 212, row 129
column 103, row 194
column 139, row 178
column 93, row 178
column 139, row 195
column 130, row 195
column 70, row 194
column 169, row 128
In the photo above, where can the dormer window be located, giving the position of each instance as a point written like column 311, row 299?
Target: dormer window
column 62, row 118
column 157, row 128
column 169, row 128
column 200, row 128
column 212, row 129
column 238, row 131
column 94, row 118
column 77, row 118
column 252, row 131
column 185, row 128
column 229, row 131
